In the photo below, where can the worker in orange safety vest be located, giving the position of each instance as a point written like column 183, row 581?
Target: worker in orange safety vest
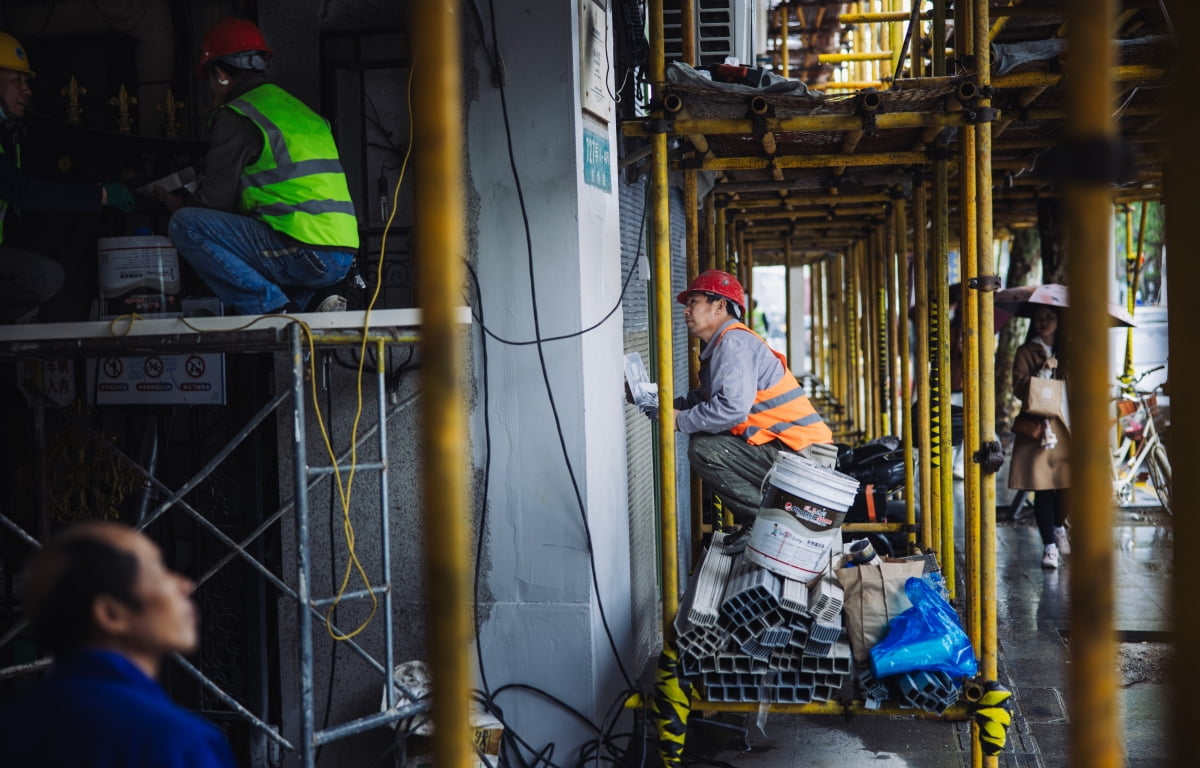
column 748, row 406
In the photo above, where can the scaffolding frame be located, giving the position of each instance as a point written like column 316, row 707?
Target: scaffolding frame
column 278, row 335
column 782, row 195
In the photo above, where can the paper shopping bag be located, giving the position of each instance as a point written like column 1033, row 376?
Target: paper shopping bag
column 874, row 596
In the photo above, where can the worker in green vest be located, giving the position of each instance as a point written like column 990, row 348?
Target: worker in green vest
column 758, row 319
column 270, row 227
column 28, row 278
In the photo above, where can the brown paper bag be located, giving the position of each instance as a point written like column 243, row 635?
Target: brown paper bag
column 874, row 596
column 1048, row 397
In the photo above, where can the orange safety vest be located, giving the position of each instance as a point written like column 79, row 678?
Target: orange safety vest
column 782, row 412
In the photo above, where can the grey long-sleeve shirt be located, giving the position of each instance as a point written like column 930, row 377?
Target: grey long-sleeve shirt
column 733, row 369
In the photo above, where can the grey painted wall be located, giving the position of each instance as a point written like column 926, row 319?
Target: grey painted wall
column 542, row 623
column 540, row 614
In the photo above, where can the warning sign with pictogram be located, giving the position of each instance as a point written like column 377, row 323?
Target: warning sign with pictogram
column 194, row 379
column 188, row 379
column 194, row 366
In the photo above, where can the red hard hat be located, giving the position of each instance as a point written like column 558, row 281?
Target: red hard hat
column 718, row 283
column 229, row 36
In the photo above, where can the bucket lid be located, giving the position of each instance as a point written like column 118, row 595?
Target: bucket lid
column 809, row 480
column 131, row 242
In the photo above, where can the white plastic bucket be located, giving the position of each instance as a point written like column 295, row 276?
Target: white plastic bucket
column 781, row 544
column 817, row 496
column 137, row 274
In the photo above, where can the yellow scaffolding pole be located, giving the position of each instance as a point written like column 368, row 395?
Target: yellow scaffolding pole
column 787, row 299
column 802, row 161
column 986, row 390
column 687, row 24
column 798, row 202
column 883, row 346
column 1094, row 705
column 895, row 39
column 715, row 126
column 880, row 348
column 660, row 246
column 816, row 336
column 710, row 233
column 895, row 356
column 969, row 309
column 842, row 295
column 903, row 410
column 856, row 281
column 921, row 315
column 940, row 396
column 721, row 251
column 440, row 248
column 1124, row 74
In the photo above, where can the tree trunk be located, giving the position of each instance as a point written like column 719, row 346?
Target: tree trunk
column 1053, row 247
column 1026, row 251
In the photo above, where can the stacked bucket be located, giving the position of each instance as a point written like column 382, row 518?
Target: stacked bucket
column 762, row 620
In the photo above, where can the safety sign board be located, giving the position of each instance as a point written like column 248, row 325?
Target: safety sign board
column 188, row 379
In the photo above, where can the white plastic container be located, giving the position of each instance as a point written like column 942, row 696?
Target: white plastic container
column 137, row 274
column 817, row 496
column 780, row 543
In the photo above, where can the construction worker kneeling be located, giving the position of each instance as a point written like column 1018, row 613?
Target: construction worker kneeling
column 748, row 406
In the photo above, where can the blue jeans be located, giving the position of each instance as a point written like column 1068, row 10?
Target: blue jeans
column 249, row 266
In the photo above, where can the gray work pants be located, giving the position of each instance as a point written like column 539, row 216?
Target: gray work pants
column 733, row 469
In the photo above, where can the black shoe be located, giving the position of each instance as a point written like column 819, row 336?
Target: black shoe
column 738, row 539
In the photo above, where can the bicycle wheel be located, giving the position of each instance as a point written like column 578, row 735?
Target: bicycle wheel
column 1160, row 474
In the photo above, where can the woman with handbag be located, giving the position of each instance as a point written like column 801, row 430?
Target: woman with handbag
column 1041, row 452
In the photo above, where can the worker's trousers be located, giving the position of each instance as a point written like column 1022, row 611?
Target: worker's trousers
column 249, row 266
column 733, row 469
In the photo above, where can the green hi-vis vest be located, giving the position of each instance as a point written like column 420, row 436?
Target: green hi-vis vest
column 297, row 186
column 4, row 203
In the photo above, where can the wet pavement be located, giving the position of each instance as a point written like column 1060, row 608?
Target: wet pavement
column 1034, row 632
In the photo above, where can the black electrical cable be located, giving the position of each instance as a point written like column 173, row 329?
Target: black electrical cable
column 574, row 334
column 545, row 370
column 513, row 743
column 487, row 471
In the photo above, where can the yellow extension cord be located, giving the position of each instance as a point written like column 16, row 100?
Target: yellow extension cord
column 345, row 489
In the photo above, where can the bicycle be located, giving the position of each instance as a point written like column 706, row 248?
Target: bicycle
column 1140, row 444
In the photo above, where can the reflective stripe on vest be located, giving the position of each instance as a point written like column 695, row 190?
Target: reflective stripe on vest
column 297, row 186
column 782, row 412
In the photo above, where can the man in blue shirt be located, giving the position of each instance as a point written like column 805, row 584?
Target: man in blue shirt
column 103, row 602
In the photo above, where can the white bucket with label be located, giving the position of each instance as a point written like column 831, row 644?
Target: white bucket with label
column 817, row 496
column 137, row 274
column 781, row 544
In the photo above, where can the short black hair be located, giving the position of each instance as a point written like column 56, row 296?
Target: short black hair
column 78, row 567
column 730, row 306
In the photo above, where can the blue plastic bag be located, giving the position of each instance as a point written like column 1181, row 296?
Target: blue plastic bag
column 927, row 636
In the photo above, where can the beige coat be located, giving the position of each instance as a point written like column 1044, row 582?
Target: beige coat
column 1032, row 467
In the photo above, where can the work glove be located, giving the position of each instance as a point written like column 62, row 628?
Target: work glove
column 117, row 195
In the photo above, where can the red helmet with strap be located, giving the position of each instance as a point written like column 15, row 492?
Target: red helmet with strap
column 718, row 283
column 229, row 36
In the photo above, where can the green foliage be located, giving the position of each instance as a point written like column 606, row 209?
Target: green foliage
column 1149, row 287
